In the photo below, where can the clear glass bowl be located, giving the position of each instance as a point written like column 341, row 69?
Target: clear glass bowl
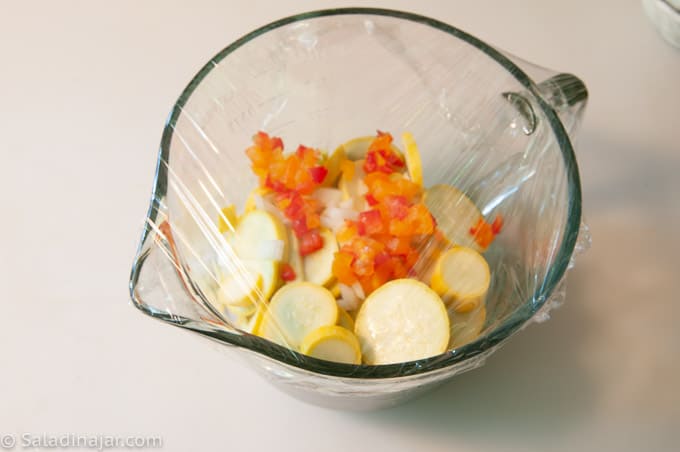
column 482, row 124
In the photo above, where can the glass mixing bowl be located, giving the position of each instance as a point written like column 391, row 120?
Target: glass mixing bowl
column 489, row 123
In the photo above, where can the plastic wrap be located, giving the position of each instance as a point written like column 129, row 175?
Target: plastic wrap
column 481, row 124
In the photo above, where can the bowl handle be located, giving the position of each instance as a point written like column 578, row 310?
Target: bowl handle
column 568, row 96
column 565, row 93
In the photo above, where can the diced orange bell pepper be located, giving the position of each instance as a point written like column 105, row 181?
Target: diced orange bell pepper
column 370, row 283
column 342, row 268
column 347, row 232
column 421, row 219
column 397, row 207
column 484, row 233
column 398, row 246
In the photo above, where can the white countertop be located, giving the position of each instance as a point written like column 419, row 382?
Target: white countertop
column 85, row 90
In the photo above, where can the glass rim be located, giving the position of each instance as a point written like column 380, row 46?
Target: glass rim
column 407, row 369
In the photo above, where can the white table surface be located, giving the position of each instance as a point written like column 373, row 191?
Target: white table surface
column 85, row 88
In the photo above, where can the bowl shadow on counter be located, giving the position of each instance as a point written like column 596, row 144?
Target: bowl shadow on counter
column 537, row 384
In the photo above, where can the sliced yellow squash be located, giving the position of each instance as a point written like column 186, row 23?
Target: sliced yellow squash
column 403, row 320
column 255, row 231
column 461, row 277
column 414, row 164
column 294, row 258
column 239, row 289
column 241, row 312
column 269, row 271
column 345, row 320
column 255, row 320
column 455, row 214
column 226, row 222
column 296, row 310
column 332, row 343
column 318, row 266
column 333, row 166
column 357, row 148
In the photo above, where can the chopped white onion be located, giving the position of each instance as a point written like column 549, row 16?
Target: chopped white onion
column 346, row 214
column 358, row 290
column 328, row 196
column 347, row 204
column 350, row 301
column 334, row 217
column 332, row 222
column 348, row 305
column 362, row 189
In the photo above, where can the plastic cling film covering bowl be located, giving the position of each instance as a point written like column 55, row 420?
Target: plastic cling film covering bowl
column 323, row 78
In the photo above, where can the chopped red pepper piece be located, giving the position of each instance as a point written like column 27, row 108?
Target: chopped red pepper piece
column 370, row 199
column 370, row 222
column 299, row 226
column 384, row 243
column 381, row 157
column 292, row 178
column 383, row 240
column 310, row 241
column 318, row 173
column 287, row 272
column 497, row 225
column 381, row 258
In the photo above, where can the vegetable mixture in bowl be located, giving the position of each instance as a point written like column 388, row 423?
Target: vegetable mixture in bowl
column 347, row 257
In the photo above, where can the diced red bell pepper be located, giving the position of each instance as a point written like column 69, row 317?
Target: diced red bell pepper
column 381, row 258
column 318, row 173
column 291, row 204
column 370, row 222
column 299, row 226
column 310, row 241
column 394, row 160
column 381, row 157
column 287, row 272
column 370, row 199
column 497, row 225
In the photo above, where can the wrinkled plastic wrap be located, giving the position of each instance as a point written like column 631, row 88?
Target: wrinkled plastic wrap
column 321, row 79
